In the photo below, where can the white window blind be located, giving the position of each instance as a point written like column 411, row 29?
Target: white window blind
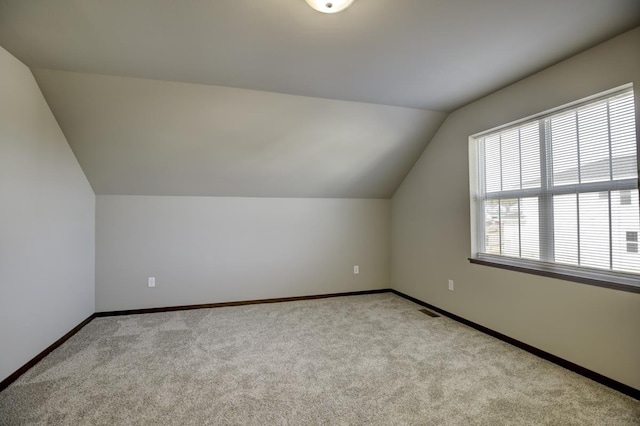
column 563, row 188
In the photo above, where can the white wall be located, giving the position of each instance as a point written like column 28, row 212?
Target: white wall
column 216, row 249
column 594, row 327
column 46, row 224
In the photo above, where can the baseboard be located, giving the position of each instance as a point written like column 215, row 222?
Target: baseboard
column 20, row 371
column 237, row 303
column 613, row 384
column 590, row 374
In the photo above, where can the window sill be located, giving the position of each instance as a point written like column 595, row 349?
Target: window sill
column 624, row 282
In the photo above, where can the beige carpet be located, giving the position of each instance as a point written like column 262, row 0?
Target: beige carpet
column 373, row 360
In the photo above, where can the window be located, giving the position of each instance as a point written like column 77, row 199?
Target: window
column 625, row 197
column 559, row 192
column 632, row 241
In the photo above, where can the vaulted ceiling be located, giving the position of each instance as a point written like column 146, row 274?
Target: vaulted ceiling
column 149, row 137
column 271, row 98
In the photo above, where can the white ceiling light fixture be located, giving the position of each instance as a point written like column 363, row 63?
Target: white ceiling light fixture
column 329, row 6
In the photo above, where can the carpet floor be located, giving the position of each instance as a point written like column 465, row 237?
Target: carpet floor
column 373, row 360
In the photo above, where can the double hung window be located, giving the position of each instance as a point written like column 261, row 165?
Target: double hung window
column 559, row 192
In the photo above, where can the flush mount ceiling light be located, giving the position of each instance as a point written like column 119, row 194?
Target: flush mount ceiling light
column 329, row 6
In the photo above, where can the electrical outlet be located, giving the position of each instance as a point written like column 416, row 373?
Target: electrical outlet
column 356, row 269
column 151, row 281
column 451, row 285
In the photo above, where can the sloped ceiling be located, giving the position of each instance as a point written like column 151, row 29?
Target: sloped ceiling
column 271, row 98
column 149, row 137
column 430, row 54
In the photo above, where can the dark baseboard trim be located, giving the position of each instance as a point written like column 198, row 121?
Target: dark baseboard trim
column 20, row 371
column 238, row 303
column 597, row 377
column 613, row 384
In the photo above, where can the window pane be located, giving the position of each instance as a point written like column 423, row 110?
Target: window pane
column 530, row 152
column 625, row 227
column 510, row 143
column 594, row 143
column 623, row 136
column 594, row 230
column 509, row 214
column 563, row 138
column 492, row 227
column 565, row 217
column 492, row 163
column 529, row 228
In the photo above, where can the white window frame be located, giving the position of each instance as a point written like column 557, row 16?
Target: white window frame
column 545, row 193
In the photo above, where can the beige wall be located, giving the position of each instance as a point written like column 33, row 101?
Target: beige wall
column 594, row 327
column 216, row 249
column 47, row 216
